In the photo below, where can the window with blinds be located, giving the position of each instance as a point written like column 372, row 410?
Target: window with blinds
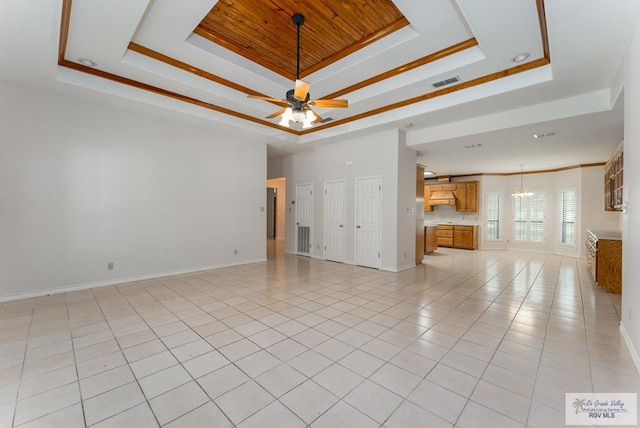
column 529, row 217
column 493, row 216
column 568, row 206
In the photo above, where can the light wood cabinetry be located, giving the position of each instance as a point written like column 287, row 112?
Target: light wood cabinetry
column 466, row 195
column 471, row 197
column 465, row 237
column 445, row 235
column 604, row 256
column 430, row 239
column 613, row 175
column 458, row 236
column 427, row 194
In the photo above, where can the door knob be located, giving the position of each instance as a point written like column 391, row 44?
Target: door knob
column 358, row 227
column 341, row 225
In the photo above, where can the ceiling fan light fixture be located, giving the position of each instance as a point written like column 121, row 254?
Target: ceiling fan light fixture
column 286, row 117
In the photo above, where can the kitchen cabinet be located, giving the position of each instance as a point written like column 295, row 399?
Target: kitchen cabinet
column 458, row 236
column 604, row 256
column 471, row 197
column 444, row 234
column 613, row 175
column 465, row 237
column 466, row 195
column 427, row 194
column 430, row 238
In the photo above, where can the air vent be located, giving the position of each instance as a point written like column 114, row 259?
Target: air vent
column 326, row 119
column 445, row 82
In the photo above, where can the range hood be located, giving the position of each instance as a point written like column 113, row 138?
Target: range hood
column 442, row 197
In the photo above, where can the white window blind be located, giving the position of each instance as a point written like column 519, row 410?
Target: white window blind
column 568, row 216
column 529, row 217
column 493, row 216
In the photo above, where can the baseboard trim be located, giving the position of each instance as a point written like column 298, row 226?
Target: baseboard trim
column 118, row 281
column 632, row 350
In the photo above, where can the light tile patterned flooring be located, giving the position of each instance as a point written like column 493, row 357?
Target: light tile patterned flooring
column 469, row 339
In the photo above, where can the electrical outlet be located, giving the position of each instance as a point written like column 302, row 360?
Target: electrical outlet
column 405, row 255
column 235, row 251
column 110, row 266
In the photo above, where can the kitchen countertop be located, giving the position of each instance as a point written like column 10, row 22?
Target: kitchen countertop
column 458, row 223
column 607, row 234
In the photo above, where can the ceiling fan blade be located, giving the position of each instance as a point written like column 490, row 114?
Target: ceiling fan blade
column 278, row 113
column 301, row 90
column 278, row 101
column 329, row 103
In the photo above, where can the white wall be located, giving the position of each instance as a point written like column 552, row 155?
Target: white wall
column 631, row 218
column 83, row 184
column 374, row 155
column 406, row 203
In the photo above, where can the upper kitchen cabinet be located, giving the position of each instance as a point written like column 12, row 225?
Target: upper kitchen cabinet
column 464, row 195
column 613, row 174
column 468, row 199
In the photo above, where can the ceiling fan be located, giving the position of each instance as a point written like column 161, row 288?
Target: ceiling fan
column 297, row 105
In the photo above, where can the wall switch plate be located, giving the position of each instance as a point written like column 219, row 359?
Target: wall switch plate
column 110, row 266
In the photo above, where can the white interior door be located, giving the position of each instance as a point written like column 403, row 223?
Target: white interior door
column 334, row 220
column 368, row 222
column 304, row 218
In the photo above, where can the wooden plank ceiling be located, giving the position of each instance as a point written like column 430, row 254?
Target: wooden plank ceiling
column 263, row 31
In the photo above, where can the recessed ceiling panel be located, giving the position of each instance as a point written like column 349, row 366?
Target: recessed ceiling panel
column 263, row 31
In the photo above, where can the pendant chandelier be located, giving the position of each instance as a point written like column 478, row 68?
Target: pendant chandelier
column 521, row 192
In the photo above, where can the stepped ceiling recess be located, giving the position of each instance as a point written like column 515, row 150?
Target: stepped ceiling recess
column 450, row 73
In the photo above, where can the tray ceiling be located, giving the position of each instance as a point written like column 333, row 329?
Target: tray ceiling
column 263, row 32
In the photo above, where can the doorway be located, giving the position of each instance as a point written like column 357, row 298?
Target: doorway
column 272, row 196
column 276, row 225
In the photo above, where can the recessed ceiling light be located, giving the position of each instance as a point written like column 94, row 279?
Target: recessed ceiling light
column 87, row 62
column 544, row 134
column 521, row 57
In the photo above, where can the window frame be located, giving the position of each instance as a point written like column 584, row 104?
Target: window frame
column 528, row 222
column 499, row 220
column 561, row 221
